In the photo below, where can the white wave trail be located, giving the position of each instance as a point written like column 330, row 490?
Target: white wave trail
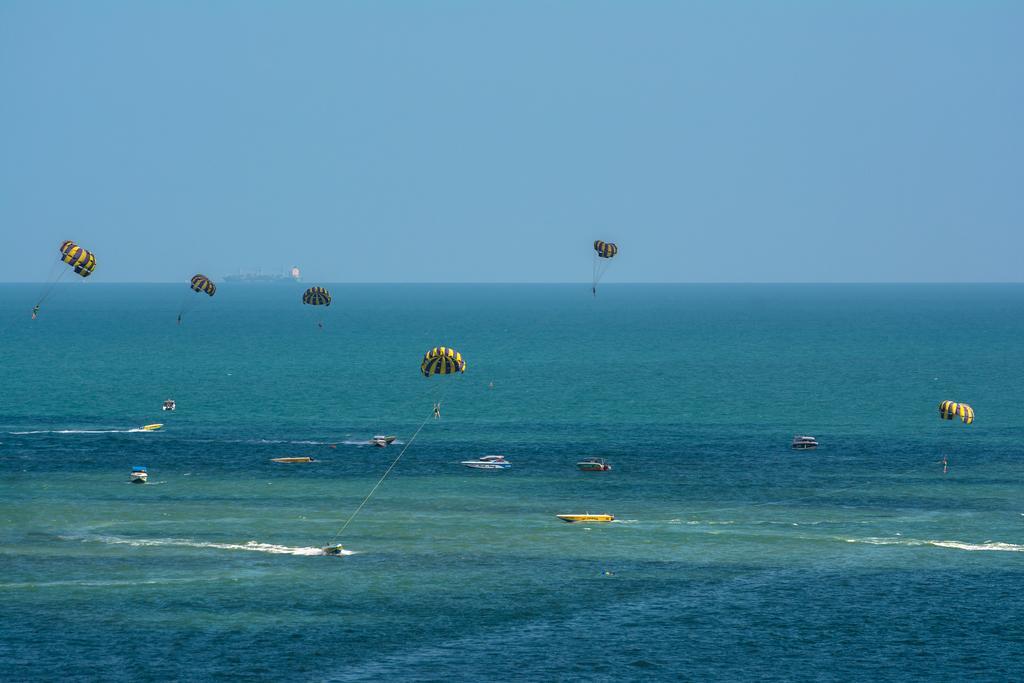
column 136, row 430
column 252, row 546
column 92, row 583
column 987, row 545
column 367, row 442
column 996, row 546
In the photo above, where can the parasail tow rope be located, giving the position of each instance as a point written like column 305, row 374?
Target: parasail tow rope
column 381, row 480
column 49, row 287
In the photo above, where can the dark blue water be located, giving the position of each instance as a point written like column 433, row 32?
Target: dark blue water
column 732, row 557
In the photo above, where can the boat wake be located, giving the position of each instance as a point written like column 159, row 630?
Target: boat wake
column 698, row 522
column 135, row 430
column 302, row 442
column 367, row 442
column 996, row 546
column 251, row 546
column 307, row 442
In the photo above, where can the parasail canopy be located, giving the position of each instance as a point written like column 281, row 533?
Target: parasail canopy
column 84, row 262
column 951, row 409
column 316, row 296
column 203, row 284
column 605, row 249
column 442, row 360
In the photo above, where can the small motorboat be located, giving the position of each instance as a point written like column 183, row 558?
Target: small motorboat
column 593, row 465
column 139, row 475
column 169, row 404
column 334, row 550
column 488, row 462
column 382, row 441
column 152, row 427
column 587, row 517
column 804, row 443
column 303, row 458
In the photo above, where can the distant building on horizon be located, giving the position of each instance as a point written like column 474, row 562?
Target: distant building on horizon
column 260, row 276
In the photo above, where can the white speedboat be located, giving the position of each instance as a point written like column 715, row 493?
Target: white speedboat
column 169, row 404
column 381, row 441
column 804, row 443
column 593, row 465
column 139, row 475
column 488, row 462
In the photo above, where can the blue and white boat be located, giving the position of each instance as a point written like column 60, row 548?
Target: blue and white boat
column 139, row 475
column 488, row 462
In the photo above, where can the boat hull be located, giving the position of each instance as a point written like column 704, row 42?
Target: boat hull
column 586, row 518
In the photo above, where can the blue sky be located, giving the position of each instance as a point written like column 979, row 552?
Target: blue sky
column 479, row 141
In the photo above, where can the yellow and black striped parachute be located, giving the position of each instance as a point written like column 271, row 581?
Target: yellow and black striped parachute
column 442, row 360
column 605, row 249
column 84, row 262
column 316, row 296
column 951, row 409
column 203, row 284
column 947, row 410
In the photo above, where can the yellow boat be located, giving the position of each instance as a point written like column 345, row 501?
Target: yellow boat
column 152, row 428
column 586, row 518
column 304, row 458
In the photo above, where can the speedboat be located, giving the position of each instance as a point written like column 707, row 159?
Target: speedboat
column 488, row 462
column 139, row 475
column 169, row 404
column 382, row 441
column 152, row 427
column 804, row 443
column 593, row 465
column 587, row 517
column 334, row 550
column 303, row 458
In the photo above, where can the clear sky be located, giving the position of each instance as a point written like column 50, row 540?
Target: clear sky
column 485, row 141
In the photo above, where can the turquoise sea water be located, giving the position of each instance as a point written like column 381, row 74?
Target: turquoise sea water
column 732, row 556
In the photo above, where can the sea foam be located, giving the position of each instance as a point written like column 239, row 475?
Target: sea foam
column 252, row 546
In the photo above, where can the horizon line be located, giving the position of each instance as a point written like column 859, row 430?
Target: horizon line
column 528, row 283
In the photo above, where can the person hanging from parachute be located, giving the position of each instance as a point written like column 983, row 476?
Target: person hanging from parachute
column 441, row 360
column 950, row 410
column 317, row 296
column 201, row 285
column 603, row 253
column 80, row 260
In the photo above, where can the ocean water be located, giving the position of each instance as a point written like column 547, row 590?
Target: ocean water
column 732, row 557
